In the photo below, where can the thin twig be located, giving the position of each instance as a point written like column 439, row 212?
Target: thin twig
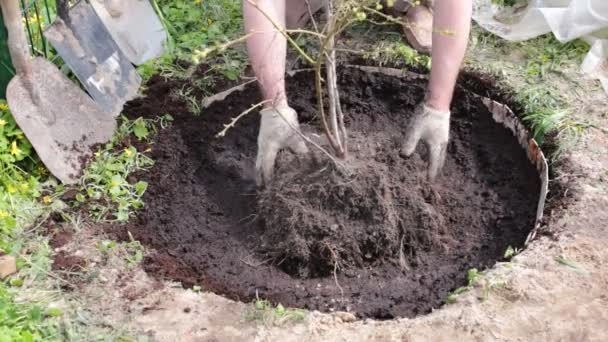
column 202, row 54
column 312, row 17
column 234, row 120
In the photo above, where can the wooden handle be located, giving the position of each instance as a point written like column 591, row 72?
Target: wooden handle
column 63, row 10
column 17, row 42
column 18, row 47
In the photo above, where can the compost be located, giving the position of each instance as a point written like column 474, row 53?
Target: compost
column 378, row 240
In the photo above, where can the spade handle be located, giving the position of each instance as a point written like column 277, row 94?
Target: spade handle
column 18, row 46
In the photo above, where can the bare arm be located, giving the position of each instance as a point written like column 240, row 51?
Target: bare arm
column 452, row 25
column 267, row 47
column 431, row 123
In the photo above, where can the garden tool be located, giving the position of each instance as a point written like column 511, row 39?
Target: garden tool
column 134, row 26
column 62, row 123
column 88, row 49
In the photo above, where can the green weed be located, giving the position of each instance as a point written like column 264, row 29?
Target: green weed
column 186, row 95
column 132, row 251
column 195, row 26
column 264, row 311
column 20, row 172
column 536, row 68
column 107, row 191
column 135, row 251
column 24, row 321
column 511, row 252
column 25, row 310
column 473, row 275
column 398, row 54
column 562, row 260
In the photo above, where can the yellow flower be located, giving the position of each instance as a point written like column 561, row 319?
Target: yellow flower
column 198, row 1
column 2, row 122
column 14, row 149
column 11, row 189
column 3, row 214
column 24, row 187
column 3, row 106
column 128, row 152
column 47, row 199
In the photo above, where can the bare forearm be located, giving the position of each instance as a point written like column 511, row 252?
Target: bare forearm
column 452, row 25
column 267, row 47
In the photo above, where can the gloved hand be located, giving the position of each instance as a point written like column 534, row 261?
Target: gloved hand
column 432, row 127
column 276, row 132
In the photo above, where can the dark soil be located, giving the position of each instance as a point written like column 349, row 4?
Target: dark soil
column 320, row 219
column 65, row 262
column 61, row 238
column 203, row 220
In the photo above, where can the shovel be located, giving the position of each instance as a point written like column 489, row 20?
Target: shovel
column 134, row 26
column 62, row 123
column 88, row 49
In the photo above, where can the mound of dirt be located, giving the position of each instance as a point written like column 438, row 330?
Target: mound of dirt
column 320, row 219
column 401, row 244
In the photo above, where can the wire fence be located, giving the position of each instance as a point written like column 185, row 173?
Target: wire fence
column 37, row 15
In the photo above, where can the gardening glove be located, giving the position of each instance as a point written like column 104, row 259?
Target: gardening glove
column 277, row 131
column 432, row 127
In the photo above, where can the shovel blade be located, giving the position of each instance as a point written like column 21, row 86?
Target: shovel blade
column 64, row 126
column 134, row 26
column 88, row 49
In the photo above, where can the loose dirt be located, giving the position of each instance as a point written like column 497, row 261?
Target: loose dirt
column 408, row 243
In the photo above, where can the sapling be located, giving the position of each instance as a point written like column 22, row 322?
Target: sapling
column 340, row 14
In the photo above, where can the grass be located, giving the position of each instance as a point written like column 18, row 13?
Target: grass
column 194, row 27
column 539, row 69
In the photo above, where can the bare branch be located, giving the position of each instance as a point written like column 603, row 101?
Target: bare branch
column 234, row 120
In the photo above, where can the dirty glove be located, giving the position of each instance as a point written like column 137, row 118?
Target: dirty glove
column 276, row 132
column 432, row 127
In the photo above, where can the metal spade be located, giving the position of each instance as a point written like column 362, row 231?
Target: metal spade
column 59, row 119
column 87, row 47
column 134, row 26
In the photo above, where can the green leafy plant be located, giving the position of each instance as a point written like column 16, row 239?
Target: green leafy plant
column 194, row 27
column 25, row 322
column 108, row 192
column 473, row 276
column 263, row 310
column 135, row 251
column 20, row 171
column 511, row 252
column 398, row 54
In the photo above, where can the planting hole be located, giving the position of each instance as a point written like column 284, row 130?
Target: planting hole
column 379, row 240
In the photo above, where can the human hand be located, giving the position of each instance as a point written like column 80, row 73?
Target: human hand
column 277, row 131
column 433, row 128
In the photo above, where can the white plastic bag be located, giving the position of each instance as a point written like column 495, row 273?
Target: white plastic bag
column 567, row 19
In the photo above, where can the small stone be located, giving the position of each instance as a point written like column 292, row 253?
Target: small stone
column 8, row 266
column 345, row 317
